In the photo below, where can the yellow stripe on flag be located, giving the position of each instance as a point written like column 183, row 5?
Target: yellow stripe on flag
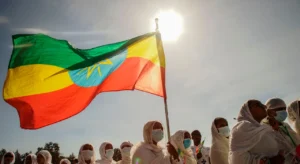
column 35, row 79
column 147, row 49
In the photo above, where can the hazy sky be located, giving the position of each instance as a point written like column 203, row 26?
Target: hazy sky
column 230, row 51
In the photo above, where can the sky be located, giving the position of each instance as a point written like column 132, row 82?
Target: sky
column 230, row 51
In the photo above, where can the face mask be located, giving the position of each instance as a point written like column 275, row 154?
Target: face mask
column 187, row 143
column 126, row 151
column 109, row 153
column 281, row 115
column 87, row 154
column 157, row 135
column 224, row 131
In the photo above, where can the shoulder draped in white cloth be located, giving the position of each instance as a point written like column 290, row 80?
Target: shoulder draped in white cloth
column 219, row 149
column 47, row 156
column 81, row 157
column 13, row 154
column 250, row 141
column 146, row 152
column 186, row 155
column 104, row 159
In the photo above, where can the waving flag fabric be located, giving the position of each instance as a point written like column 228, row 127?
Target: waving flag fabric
column 49, row 80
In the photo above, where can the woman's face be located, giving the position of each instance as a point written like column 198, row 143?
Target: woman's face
column 257, row 109
column 87, row 147
column 157, row 126
column 8, row 158
column 108, row 147
column 221, row 122
column 40, row 159
column 28, row 160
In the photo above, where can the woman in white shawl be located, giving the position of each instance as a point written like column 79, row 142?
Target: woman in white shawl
column 250, row 142
column 220, row 141
column 106, row 153
column 294, row 115
column 125, row 152
column 86, row 154
column 44, row 157
column 30, row 159
column 64, row 161
column 8, row 158
column 149, row 152
column 182, row 141
column 286, row 137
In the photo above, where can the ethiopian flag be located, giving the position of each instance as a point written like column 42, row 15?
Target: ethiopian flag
column 49, row 80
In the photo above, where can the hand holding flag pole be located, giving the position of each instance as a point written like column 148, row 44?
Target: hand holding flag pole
column 161, row 54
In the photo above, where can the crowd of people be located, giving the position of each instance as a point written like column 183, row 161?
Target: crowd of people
column 260, row 137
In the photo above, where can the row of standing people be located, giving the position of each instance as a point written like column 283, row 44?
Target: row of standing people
column 260, row 137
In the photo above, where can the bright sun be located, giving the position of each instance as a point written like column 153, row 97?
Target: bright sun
column 170, row 25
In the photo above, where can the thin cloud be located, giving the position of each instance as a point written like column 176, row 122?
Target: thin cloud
column 44, row 31
column 31, row 30
column 3, row 20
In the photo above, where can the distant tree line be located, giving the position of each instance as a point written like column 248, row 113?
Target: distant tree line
column 54, row 149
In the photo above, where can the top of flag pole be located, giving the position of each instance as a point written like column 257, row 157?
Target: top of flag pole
column 156, row 22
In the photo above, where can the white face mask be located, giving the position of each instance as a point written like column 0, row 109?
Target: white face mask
column 126, row 151
column 87, row 154
column 109, row 154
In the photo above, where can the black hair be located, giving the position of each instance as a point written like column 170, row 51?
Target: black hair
column 196, row 132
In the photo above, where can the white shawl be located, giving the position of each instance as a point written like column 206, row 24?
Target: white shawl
column 104, row 159
column 47, row 156
column 81, row 158
column 219, row 149
column 247, row 137
column 33, row 159
column 186, row 155
column 146, row 152
column 13, row 154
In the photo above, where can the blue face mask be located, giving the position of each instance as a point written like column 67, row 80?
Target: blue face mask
column 281, row 115
column 157, row 135
column 224, row 131
column 187, row 143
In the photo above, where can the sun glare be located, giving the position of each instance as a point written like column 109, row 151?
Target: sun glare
column 170, row 25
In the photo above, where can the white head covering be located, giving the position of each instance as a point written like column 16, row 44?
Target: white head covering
column 275, row 103
column 125, row 158
column 13, row 154
column 104, row 159
column 293, row 115
column 81, row 158
column 147, row 152
column 65, row 160
column 177, row 142
column 47, row 156
column 147, row 134
column 245, row 135
column 33, row 158
column 219, row 149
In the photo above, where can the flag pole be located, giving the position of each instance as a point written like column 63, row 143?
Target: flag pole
column 161, row 55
